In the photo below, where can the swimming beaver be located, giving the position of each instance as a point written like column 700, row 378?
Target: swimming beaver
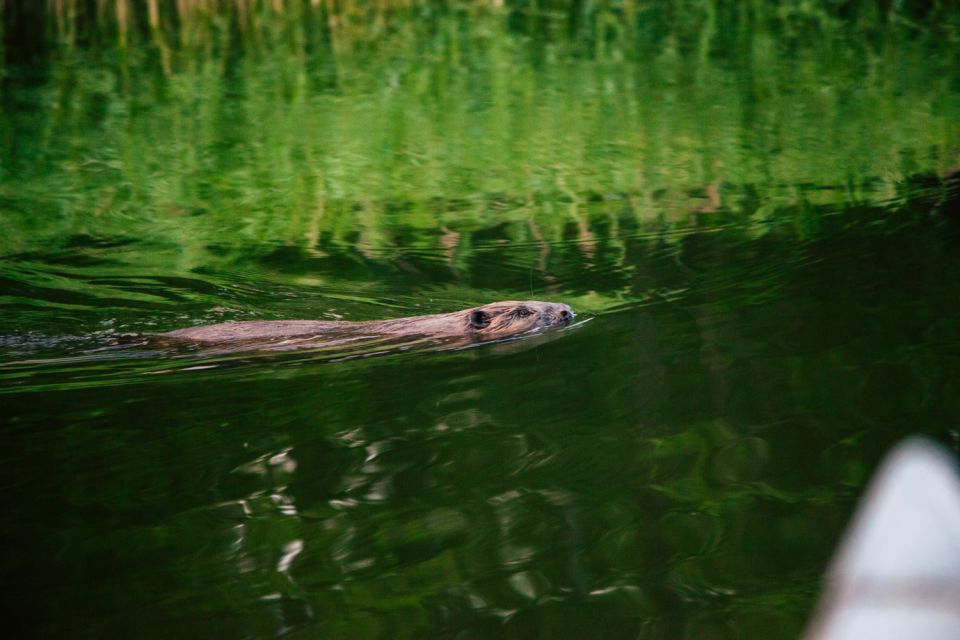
column 493, row 321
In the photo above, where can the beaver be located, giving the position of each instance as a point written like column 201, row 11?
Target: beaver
column 494, row 321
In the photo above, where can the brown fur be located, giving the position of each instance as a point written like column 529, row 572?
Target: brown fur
column 493, row 321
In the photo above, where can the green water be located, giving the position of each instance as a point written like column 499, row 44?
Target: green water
column 752, row 219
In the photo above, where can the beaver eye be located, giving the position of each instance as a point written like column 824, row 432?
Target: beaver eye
column 523, row 312
column 479, row 319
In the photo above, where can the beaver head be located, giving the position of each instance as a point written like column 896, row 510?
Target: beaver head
column 504, row 319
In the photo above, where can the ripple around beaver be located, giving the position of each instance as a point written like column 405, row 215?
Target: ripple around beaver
column 111, row 359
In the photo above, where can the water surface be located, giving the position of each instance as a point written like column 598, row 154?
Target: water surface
column 758, row 225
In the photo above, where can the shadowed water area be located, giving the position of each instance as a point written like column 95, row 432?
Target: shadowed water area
column 754, row 216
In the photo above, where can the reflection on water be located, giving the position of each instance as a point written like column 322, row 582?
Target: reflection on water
column 760, row 225
column 681, row 464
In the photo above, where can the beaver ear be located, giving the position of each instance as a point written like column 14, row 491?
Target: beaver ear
column 479, row 319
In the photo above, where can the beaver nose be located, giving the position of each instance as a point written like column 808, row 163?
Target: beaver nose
column 566, row 313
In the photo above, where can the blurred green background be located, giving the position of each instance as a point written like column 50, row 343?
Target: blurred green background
column 278, row 120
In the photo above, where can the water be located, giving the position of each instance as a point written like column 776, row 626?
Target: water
column 763, row 246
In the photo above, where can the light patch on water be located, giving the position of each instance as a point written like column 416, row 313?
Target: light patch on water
column 290, row 551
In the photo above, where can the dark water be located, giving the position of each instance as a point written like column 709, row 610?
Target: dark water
column 677, row 467
column 765, row 310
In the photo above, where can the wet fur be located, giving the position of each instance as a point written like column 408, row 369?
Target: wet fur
column 493, row 321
